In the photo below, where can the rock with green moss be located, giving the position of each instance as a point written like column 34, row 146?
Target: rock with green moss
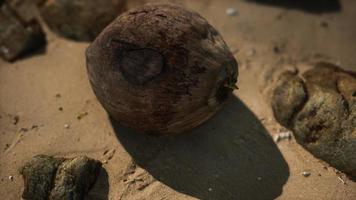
column 46, row 177
column 321, row 111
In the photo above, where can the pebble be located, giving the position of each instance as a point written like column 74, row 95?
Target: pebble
column 81, row 115
column 282, row 136
column 251, row 52
column 231, row 12
column 11, row 178
column 210, row 189
column 306, row 174
column 66, row 126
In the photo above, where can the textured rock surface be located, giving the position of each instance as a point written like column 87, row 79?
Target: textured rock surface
column 46, row 177
column 161, row 69
column 38, row 176
column 20, row 32
column 81, row 19
column 321, row 110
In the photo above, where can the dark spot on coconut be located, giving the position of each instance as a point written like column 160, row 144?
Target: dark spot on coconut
column 141, row 65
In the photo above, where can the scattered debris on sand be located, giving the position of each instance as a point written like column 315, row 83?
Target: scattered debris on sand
column 287, row 135
column 46, row 177
column 81, row 115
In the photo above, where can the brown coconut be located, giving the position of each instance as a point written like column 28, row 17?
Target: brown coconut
column 161, row 69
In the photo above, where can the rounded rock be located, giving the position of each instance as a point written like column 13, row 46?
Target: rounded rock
column 80, row 20
column 321, row 111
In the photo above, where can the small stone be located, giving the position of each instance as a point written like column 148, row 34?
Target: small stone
column 231, row 12
column 306, row 174
column 80, row 20
column 210, row 189
column 283, row 136
column 11, row 178
column 67, row 126
column 46, row 177
column 20, row 32
column 81, row 115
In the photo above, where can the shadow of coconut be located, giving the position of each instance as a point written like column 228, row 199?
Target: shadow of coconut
column 229, row 157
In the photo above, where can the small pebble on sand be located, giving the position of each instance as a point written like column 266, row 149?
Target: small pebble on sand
column 283, row 136
column 67, row 126
column 231, row 11
column 306, row 174
column 11, row 178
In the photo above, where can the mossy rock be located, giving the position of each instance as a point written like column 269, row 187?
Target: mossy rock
column 320, row 108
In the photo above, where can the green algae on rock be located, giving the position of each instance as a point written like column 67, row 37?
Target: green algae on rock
column 47, row 177
column 321, row 111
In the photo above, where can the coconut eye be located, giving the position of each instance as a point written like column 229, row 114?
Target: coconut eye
column 141, row 65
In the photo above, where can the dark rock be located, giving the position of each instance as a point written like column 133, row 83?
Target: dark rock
column 52, row 178
column 289, row 95
column 81, row 20
column 74, row 178
column 26, row 10
column 19, row 33
column 39, row 176
column 322, row 113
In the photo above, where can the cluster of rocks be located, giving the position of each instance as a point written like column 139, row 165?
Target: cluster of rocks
column 320, row 108
column 46, row 177
column 81, row 20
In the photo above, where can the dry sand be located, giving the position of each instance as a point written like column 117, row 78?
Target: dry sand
column 232, row 156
